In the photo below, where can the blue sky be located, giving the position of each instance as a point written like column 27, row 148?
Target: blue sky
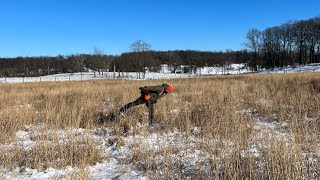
column 53, row 27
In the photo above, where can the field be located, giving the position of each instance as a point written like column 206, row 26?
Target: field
column 222, row 127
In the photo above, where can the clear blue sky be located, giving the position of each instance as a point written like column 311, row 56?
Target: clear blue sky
column 52, row 27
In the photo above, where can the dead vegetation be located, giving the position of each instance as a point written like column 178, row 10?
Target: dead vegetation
column 242, row 127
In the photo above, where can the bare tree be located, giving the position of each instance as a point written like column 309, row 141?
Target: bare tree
column 300, row 41
column 46, row 64
column 80, row 59
column 317, row 38
column 97, row 61
column 173, row 59
column 139, row 47
column 291, row 43
column 312, row 37
column 288, row 43
column 254, row 36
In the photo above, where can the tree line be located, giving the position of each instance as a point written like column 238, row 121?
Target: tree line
column 292, row 43
column 45, row 65
column 134, row 61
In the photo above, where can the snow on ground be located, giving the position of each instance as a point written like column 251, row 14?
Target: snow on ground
column 232, row 69
column 108, row 169
column 92, row 75
column 266, row 130
column 305, row 68
column 117, row 163
column 119, row 151
column 165, row 73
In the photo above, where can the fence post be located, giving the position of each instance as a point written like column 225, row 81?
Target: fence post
column 40, row 78
column 5, row 79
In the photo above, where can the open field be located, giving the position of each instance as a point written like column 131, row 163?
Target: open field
column 227, row 127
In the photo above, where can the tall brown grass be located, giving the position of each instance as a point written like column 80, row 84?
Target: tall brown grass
column 291, row 101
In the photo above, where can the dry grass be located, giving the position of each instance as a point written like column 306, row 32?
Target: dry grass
column 52, row 154
column 214, row 104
